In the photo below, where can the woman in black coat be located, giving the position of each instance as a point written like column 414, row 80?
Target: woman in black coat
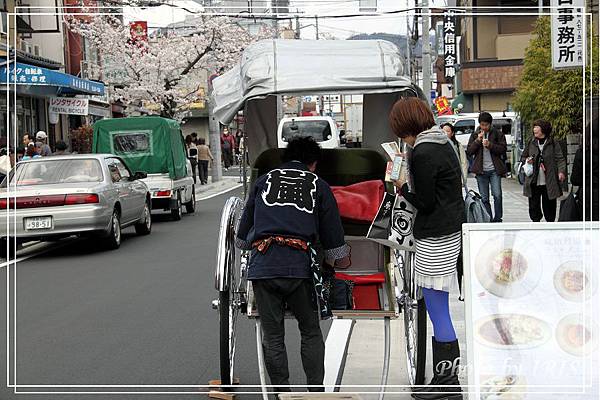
column 543, row 188
column 586, row 175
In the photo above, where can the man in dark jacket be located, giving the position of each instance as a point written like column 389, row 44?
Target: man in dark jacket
column 288, row 210
column 586, row 175
column 488, row 147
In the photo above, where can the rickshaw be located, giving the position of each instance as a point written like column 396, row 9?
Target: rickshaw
column 271, row 68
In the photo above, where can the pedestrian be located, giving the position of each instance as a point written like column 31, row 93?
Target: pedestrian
column 448, row 128
column 192, row 154
column 239, row 137
column 549, row 171
column 45, row 149
column 227, row 146
column 26, row 140
column 288, row 209
column 436, row 192
column 61, row 149
column 488, row 147
column 195, row 138
column 20, row 153
column 585, row 175
column 204, row 157
column 30, row 152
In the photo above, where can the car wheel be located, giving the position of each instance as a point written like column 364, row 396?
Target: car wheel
column 177, row 213
column 190, row 207
column 113, row 240
column 144, row 225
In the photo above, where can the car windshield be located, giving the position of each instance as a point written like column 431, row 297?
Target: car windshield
column 318, row 130
column 465, row 127
column 50, row 171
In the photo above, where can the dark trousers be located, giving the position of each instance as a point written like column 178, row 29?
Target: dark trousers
column 271, row 297
column 203, row 171
column 540, row 205
column 486, row 181
column 227, row 158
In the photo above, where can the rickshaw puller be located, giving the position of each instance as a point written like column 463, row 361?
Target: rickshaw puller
column 288, row 209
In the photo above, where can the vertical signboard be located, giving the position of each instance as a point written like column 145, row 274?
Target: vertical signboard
column 531, row 300
column 568, row 34
column 449, row 45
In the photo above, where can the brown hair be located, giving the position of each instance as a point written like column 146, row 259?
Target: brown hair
column 410, row 116
column 544, row 125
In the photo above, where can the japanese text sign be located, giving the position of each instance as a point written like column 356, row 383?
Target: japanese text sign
column 568, row 34
column 68, row 105
column 449, row 32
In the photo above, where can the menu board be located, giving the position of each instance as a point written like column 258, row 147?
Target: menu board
column 532, row 310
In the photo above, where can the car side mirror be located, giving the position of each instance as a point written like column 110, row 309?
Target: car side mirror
column 140, row 175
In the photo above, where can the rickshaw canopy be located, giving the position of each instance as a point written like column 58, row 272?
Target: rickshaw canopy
column 373, row 68
column 150, row 144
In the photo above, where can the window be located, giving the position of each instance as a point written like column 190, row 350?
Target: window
column 132, row 143
column 58, row 172
column 464, row 127
column 319, row 130
column 504, row 125
column 123, row 171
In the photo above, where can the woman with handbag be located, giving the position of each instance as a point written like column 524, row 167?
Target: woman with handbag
column 192, row 154
column 464, row 161
column 436, row 192
column 543, row 187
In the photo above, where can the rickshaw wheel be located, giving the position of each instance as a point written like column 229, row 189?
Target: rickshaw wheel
column 231, row 286
column 415, row 323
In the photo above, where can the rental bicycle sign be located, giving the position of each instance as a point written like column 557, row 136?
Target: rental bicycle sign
column 69, row 105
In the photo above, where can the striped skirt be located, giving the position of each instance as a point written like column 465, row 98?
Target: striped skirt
column 435, row 262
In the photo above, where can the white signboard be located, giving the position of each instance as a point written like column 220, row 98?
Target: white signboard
column 449, row 30
column 568, row 34
column 69, row 105
column 532, row 310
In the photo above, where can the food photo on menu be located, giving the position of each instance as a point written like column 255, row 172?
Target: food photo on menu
column 534, row 330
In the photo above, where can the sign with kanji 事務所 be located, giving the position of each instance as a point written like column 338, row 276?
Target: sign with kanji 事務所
column 449, row 31
column 568, row 34
column 69, row 105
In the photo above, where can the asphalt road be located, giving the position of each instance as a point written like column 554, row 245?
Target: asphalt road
column 140, row 315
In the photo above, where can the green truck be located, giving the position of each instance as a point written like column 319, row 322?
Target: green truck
column 154, row 145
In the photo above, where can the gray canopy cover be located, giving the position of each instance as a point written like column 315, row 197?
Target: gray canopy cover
column 299, row 67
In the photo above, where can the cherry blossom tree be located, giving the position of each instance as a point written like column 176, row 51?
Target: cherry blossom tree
column 168, row 69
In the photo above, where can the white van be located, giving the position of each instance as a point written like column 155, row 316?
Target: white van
column 322, row 129
column 465, row 124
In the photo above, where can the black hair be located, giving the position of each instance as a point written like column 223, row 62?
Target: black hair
column 60, row 145
column 21, row 150
column 303, row 149
column 544, row 125
column 485, row 117
column 453, row 138
column 188, row 139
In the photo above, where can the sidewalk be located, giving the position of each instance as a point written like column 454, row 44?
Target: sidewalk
column 364, row 362
column 211, row 189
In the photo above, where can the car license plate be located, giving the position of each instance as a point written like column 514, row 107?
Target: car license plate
column 35, row 223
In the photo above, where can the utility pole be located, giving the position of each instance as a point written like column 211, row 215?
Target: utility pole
column 426, row 47
column 408, row 68
column 214, row 136
column 321, row 105
column 274, row 4
column 299, row 98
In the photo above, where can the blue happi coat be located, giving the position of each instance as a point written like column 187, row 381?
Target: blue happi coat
column 293, row 202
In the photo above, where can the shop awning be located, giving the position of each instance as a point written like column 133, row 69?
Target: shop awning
column 29, row 75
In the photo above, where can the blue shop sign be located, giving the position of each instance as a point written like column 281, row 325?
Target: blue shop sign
column 24, row 74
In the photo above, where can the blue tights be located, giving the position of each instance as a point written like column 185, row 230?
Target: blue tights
column 439, row 313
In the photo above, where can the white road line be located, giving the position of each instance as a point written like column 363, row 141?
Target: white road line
column 220, row 193
column 39, row 252
column 336, row 348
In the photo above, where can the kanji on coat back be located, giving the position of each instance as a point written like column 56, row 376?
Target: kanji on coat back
column 289, row 187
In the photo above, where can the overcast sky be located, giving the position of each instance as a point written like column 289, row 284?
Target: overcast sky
column 340, row 28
